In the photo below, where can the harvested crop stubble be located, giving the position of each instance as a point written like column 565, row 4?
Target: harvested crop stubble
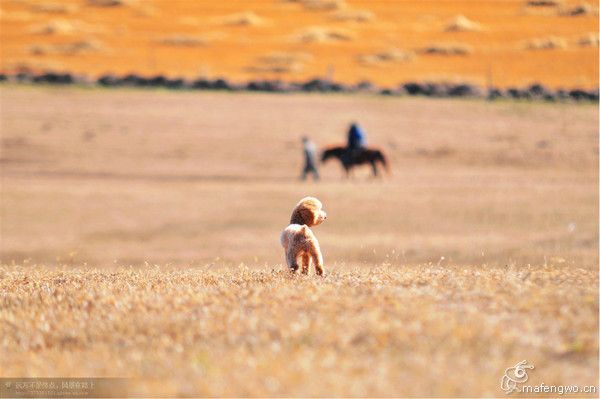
column 278, row 62
column 247, row 18
column 462, row 24
column 353, row 15
column 320, row 34
column 321, row 5
column 544, row 3
column 233, row 332
column 72, row 48
column 579, row 10
column 448, row 49
column 183, row 40
column 546, row 43
column 53, row 8
column 386, row 57
column 63, row 27
column 589, row 40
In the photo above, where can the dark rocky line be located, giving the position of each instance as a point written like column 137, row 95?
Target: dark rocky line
column 535, row 91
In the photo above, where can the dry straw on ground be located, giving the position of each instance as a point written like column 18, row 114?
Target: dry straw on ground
column 546, row 43
column 321, row 5
column 16, row 16
column 63, row 27
column 448, row 49
column 386, row 57
column 579, row 10
column 462, row 24
column 353, row 15
column 247, row 18
column 589, row 40
column 280, row 62
column 384, row 331
column 71, row 48
column 54, row 27
column 109, row 3
column 183, row 40
column 322, row 34
column 38, row 64
column 53, row 8
column 285, row 57
column 545, row 3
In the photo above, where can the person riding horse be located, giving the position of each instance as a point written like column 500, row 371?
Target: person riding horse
column 355, row 152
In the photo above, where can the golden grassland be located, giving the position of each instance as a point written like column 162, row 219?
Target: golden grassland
column 509, row 42
column 390, row 330
column 140, row 238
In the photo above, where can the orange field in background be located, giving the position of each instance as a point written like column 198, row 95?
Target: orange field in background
column 502, row 42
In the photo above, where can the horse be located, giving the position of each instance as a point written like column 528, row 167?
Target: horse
column 349, row 159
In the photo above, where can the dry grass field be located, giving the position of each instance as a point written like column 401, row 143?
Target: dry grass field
column 513, row 42
column 392, row 330
column 140, row 238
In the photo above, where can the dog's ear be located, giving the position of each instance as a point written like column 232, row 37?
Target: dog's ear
column 310, row 216
column 302, row 215
column 306, row 212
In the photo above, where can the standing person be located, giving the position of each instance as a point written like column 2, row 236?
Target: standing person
column 310, row 157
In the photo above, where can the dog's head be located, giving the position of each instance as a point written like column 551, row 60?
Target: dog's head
column 308, row 211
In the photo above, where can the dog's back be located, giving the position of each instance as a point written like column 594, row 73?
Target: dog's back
column 293, row 234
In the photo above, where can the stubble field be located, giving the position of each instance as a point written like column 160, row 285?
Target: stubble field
column 140, row 239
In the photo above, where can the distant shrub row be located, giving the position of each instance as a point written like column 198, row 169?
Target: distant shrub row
column 533, row 92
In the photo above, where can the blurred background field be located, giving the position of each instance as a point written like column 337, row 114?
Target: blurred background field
column 499, row 43
column 132, row 176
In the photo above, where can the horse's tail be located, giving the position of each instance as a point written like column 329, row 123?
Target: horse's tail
column 383, row 159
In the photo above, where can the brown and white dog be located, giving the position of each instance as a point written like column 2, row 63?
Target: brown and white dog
column 298, row 240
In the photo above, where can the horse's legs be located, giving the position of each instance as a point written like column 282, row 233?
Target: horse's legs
column 347, row 171
column 374, row 166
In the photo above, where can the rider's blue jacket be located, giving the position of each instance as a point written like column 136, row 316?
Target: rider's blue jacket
column 356, row 137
